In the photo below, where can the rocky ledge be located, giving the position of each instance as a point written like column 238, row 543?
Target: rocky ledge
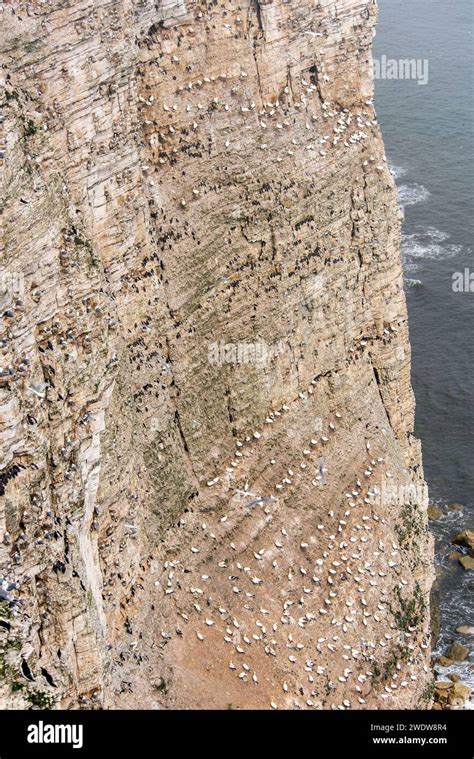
column 210, row 485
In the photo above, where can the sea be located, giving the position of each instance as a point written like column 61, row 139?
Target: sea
column 427, row 124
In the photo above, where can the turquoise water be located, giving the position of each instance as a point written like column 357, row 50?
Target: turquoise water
column 429, row 138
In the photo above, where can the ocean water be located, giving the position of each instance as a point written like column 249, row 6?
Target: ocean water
column 429, row 137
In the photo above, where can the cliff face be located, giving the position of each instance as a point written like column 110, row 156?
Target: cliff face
column 202, row 307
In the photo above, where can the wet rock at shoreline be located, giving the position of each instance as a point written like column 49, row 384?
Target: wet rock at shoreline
column 457, row 651
column 460, row 692
column 434, row 512
column 441, row 693
column 465, row 630
column 467, row 562
column 456, row 506
column 465, row 539
column 443, row 685
column 450, row 694
column 443, row 661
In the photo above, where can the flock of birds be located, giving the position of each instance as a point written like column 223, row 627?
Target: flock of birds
column 215, row 114
column 307, row 598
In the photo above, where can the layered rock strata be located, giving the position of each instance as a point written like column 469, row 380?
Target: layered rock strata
column 210, row 484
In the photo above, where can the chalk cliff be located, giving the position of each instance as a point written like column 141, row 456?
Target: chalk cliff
column 210, row 487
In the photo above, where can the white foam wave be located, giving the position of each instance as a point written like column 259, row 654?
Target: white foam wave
column 433, row 252
column 435, row 234
column 397, row 171
column 409, row 195
column 409, row 266
column 426, row 245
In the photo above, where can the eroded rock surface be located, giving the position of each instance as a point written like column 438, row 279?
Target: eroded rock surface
column 185, row 184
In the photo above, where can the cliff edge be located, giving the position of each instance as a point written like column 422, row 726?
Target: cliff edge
column 211, row 494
